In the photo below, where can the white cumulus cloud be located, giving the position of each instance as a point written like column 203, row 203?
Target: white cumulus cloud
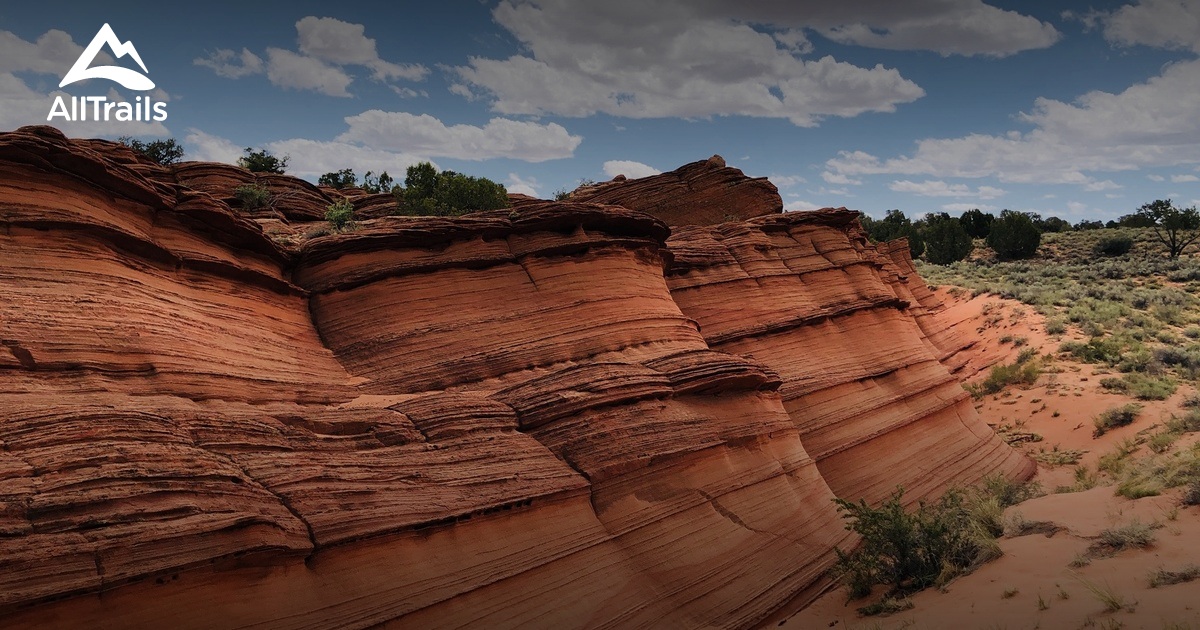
column 426, row 135
column 231, row 65
column 669, row 59
column 298, row 72
column 629, row 168
column 1149, row 124
column 523, row 185
column 931, row 188
column 1173, row 24
column 344, row 43
column 326, row 47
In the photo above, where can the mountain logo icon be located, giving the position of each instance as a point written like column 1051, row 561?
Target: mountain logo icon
column 131, row 79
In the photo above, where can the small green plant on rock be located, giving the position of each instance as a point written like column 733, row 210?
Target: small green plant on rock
column 340, row 215
column 252, row 196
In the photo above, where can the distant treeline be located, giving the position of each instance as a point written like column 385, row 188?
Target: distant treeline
column 943, row 239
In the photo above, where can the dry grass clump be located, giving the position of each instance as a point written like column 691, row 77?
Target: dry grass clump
column 1057, row 456
column 1163, row 577
column 1141, row 386
column 1153, row 475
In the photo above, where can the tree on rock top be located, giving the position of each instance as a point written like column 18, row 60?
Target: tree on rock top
column 263, row 161
column 1014, row 235
column 165, row 152
column 430, row 193
column 344, row 178
column 1176, row 228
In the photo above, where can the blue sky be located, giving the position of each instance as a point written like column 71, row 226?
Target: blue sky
column 1081, row 110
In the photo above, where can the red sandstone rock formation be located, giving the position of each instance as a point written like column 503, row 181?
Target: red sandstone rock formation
column 800, row 290
column 700, row 193
column 502, row 419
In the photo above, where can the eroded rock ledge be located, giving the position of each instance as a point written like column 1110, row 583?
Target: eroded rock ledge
column 553, row 416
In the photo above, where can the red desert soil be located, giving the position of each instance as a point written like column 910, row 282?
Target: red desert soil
column 1033, row 585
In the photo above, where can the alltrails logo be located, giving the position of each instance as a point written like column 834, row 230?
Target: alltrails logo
column 143, row 109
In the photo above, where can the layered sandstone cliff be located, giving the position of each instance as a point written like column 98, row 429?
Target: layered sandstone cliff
column 508, row 419
column 700, row 193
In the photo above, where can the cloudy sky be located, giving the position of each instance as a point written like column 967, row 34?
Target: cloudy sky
column 1076, row 109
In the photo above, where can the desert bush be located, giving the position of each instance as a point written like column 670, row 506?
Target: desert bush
column 1141, row 386
column 1152, row 475
column 1014, row 235
column 929, row 545
column 945, row 240
column 907, row 551
column 1191, row 496
column 1024, row 371
column 1116, row 417
column 1163, row 577
column 339, row 215
column 165, row 152
column 1161, row 442
column 1188, row 423
column 1133, row 535
column 1096, row 350
column 1116, row 245
column 1056, row 326
column 252, row 196
column 263, row 161
column 1175, row 356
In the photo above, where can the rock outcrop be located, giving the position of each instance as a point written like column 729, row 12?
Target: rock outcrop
column 800, row 290
column 700, row 193
column 506, row 419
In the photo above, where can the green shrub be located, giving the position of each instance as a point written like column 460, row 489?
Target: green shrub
column 908, row 551
column 1096, row 350
column 339, row 215
column 1055, row 326
column 1014, row 235
column 252, row 196
column 1116, row 417
column 1024, row 372
column 1114, row 245
column 945, row 240
column 1189, row 423
column 165, row 152
column 1141, row 386
column 1191, row 496
column 430, row 193
column 262, row 161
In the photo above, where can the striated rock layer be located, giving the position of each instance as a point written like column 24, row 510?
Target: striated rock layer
column 700, row 193
column 498, row 420
column 807, row 296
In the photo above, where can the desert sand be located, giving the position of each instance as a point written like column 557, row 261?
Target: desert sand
column 1033, row 585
